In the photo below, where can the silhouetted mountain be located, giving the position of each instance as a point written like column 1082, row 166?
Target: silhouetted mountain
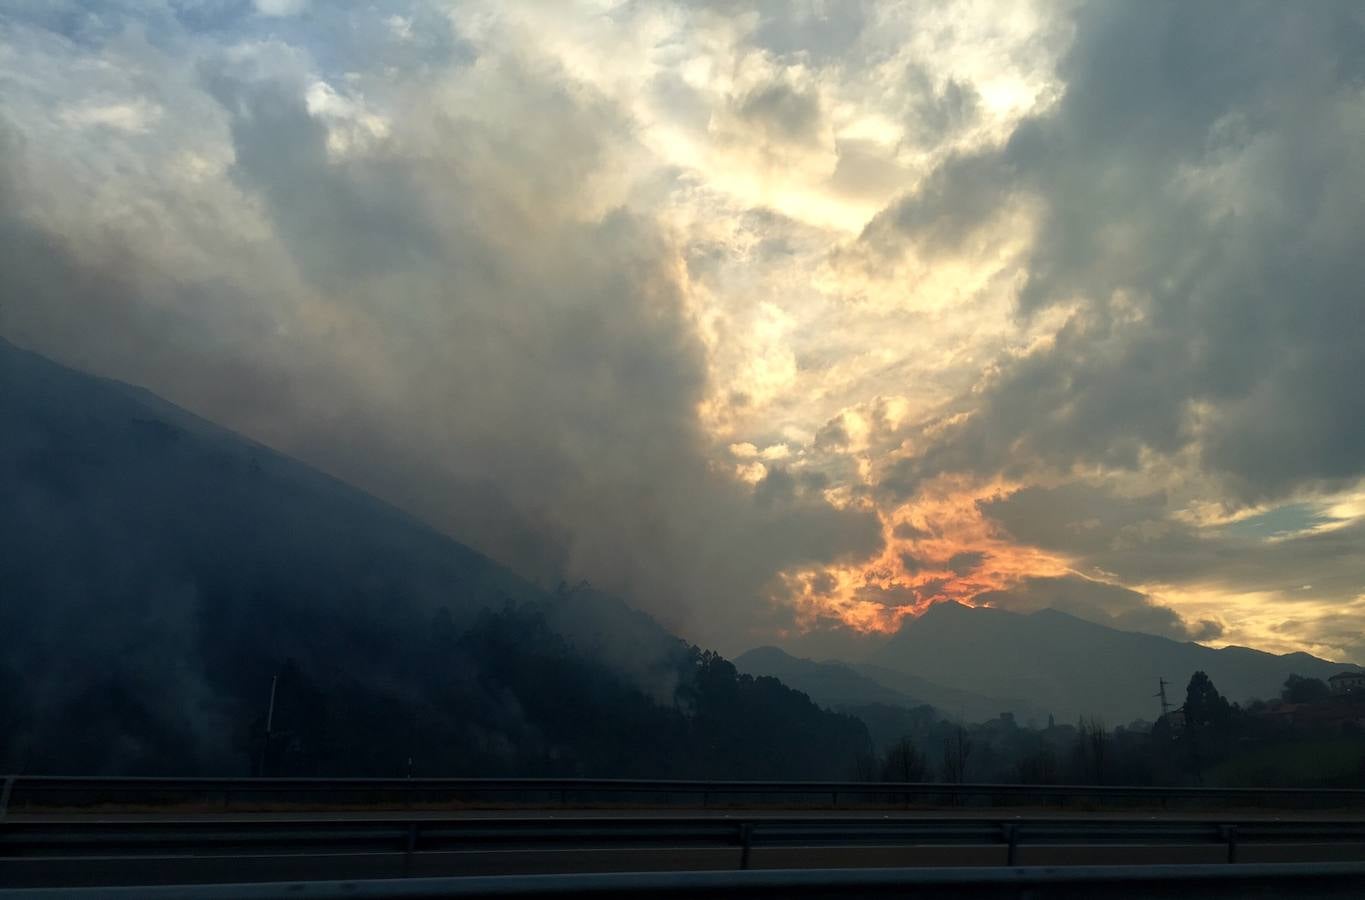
column 851, row 687
column 157, row 572
column 954, row 702
column 1072, row 667
column 830, row 684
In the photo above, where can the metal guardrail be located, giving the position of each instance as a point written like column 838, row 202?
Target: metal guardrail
column 135, row 846
column 28, row 792
column 1204, row 881
column 77, row 838
column 82, row 850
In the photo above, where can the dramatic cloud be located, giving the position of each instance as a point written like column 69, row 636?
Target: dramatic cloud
column 439, row 307
column 1194, row 195
column 775, row 317
column 1192, row 222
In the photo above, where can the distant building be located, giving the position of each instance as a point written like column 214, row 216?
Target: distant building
column 1332, row 715
column 1347, row 682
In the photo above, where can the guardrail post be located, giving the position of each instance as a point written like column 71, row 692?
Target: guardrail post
column 834, row 799
column 1230, row 835
column 1011, row 843
column 410, row 849
column 4, row 795
column 746, row 836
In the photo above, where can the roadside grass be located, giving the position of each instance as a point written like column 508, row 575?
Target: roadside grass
column 1327, row 762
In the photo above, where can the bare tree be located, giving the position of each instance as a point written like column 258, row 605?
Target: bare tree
column 956, row 751
column 904, row 762
column 1038, row 767
column 866, row 767
column 1092, row 749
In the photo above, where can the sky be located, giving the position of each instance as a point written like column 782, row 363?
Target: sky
column 784, row 320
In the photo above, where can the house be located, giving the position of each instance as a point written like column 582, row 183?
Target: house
column 1328, row 715
column 1347, row 683
column 1282, row 714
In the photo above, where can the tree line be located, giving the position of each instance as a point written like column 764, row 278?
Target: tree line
column 509, row 695
column 1206, row 740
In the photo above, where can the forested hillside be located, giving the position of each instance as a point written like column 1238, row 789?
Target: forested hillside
column 159, row 573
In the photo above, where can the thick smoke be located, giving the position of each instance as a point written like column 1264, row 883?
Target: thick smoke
column 438, row 304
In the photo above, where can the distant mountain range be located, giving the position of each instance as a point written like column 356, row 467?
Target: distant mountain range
column 852, row 686
column 1071, row 667
column 830, row 684
column 1030, row 666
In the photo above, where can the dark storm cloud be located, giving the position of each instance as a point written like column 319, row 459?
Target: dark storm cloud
column 1198, row 187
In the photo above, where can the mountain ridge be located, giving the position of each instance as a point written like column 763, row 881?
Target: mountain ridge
column 848, row 686
column 160, row 573
column 1077, row 667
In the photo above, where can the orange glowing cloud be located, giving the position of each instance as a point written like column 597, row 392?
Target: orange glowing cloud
column 938, row 548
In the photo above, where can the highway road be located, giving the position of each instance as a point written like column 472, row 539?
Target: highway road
column 69, row 851
column 542, row 837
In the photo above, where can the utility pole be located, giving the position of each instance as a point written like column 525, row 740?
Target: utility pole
column 1161, row 692
column 269, row 721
